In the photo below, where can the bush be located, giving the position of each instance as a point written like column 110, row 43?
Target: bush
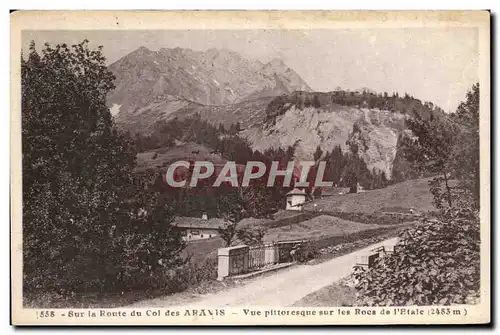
column 168, row 280
column 146, row 245
column 190, row 275
column 436, row 263
column 308, row 252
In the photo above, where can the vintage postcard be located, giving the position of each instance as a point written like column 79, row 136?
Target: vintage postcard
column 250, row 167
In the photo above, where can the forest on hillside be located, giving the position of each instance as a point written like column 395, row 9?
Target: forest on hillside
column 359, row 99
column 344, row 169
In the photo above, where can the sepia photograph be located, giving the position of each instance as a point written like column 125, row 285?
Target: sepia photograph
column 250, row 167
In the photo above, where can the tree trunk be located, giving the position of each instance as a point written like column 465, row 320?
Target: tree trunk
column 448, row 190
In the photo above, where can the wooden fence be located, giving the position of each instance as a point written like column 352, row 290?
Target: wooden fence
column 243, row 259
column 261, row 256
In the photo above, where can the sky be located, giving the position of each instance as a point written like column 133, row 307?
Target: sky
column 432, row 64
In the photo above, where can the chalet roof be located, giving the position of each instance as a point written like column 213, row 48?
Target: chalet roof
column 296, row 191
column 199, row 223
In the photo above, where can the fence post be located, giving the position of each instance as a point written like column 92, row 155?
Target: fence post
column 232, row 261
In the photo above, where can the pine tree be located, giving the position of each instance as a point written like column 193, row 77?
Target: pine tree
column 318, row 153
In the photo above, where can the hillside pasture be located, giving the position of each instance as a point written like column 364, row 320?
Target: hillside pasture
column 317, row 228
column 408, row 194
column 162, row 157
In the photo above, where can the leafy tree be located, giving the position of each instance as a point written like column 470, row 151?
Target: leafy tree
column 251, row 236
column 228, row 233
column 241, row 203
column 464, row 158
column 232, row 209
column 68, row 192
column 430, row 149
column 402, row 168
column 147, row 243
column 78, row 192
column 448, row 146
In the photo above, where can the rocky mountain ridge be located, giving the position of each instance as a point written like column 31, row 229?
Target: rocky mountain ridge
column 376, row 132
column 166, row 80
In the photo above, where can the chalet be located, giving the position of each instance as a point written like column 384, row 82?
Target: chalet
column 295, row 199
column 193, row 228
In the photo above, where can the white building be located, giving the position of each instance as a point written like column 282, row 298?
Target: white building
column 295, row 199
column 198, row 229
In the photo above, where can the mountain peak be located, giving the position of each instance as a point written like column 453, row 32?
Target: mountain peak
column 142, row 50
column 175, row 51
column 277, row 62
column 276, row 65
column 211, row 77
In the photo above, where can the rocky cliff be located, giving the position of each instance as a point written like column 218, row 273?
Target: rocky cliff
column 374, row 131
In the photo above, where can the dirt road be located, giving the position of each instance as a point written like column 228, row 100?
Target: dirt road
column 284, row 287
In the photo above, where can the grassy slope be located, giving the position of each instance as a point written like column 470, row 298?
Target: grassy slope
column 187, row 151
column 409, row 194
column 316, row 228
